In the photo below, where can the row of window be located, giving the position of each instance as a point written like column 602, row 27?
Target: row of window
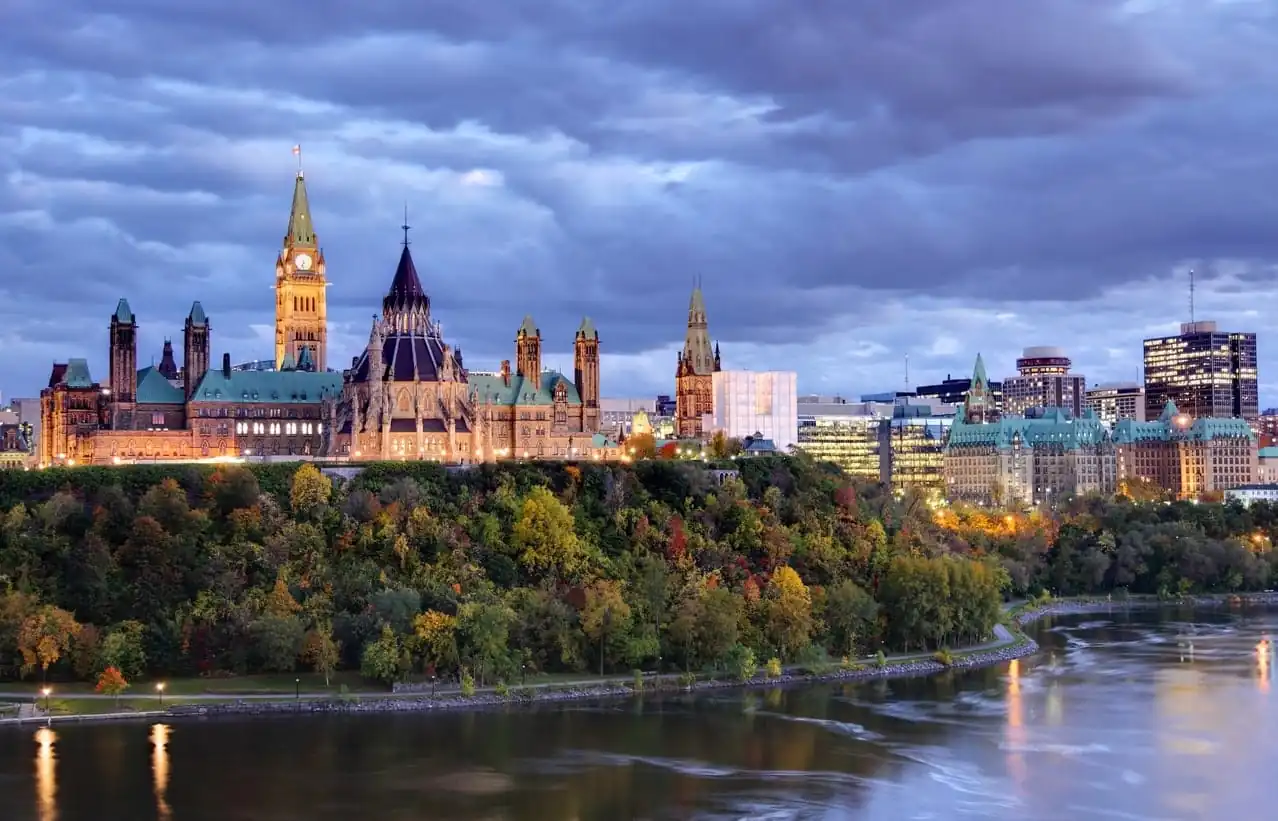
column 278, row 428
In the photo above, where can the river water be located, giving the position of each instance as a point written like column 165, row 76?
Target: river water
column 1127, row 716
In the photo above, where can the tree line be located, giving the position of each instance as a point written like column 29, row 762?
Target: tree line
column 515, row 569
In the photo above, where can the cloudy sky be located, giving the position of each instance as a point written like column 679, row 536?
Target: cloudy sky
column 854, row 182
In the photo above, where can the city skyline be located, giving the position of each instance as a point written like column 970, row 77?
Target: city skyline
column 1058, row 216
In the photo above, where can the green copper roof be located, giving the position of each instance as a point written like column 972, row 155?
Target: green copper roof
column 305, row 362
column 77, row 374
column 197, row 316
column 1172, row 426
column 300, row 229
column 286, row 387
column 601, row 441
column 288, row 363
column 123, row 313
column 154, row 389
column 587, row 329
column 1054, row 427
column 528, row 327
column 489, row 387
column 698, row 353
column 1268, row 453
column 978, row 373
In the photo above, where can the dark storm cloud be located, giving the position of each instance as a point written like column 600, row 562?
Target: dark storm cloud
column 818, row 165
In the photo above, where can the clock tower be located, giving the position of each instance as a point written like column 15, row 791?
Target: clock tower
column 301, row 310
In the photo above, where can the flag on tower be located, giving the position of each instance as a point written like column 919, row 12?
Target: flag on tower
column 297, row 149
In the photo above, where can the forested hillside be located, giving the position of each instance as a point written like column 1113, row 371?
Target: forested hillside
column 408, row 570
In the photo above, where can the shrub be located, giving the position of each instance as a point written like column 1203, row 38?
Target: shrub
column 467, row 684
column 638, row 684
column 501, row 690
column 880, row 660
column 774, row 667
column 742, row 663
column 944, row 656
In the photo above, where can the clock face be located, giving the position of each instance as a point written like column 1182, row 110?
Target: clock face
column 303, row 262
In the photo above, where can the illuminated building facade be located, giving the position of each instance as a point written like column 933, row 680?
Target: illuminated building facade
column 1120, row 400
column 1187, row 456
column 694, row 372
column 959, row 391
column 899, row 443
column 763, row 404
column 1037, row 459
column 1043, row 380
column 1204, row 371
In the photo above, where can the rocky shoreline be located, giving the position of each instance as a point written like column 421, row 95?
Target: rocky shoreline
column 1020, row 645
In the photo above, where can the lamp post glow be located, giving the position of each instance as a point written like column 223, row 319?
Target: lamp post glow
column 159, row 690
column 46, row 691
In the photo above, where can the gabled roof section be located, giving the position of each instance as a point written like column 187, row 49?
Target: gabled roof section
column 300, row 230
column 528, row 327
column 1169, row 412
column 197, row 317
column 77, row 374
column 123, row 313
column 277, row 387
column 154, row 389
column 489, row 387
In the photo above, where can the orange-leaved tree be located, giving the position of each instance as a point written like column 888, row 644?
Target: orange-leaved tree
column 112, row 683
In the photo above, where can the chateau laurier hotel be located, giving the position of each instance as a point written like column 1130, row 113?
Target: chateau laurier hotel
column 407, row 396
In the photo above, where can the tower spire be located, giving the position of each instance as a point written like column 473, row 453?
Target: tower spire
column 1191, row 295
column 405, row 226
column 301, row 232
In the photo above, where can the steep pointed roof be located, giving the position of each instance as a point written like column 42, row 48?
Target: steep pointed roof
column 288, row 363
column 305, row 362
column 406, row 293
column 978, row 373
column 197, row 316
column 123, row 313
column 587, row 329
column 698, row 354
column 528, row 327
column 300, row 229
column 1169, row 412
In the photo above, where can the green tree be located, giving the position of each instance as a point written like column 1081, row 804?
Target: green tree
column 278, row 641
column 383, row 659
column 436, row 635
column 545, row 537
column 851, row 614
column 122, row 649
column 484, row 632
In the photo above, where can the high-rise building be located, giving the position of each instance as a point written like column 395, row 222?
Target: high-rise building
column 1187, row 456
column 1115, row 401
column 762, row 404
column 1043, row 380
column 1206, row 372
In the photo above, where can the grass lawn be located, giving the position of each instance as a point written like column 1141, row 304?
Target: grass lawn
column 266, row 684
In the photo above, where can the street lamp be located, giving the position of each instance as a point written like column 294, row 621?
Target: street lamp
column 297, row 689
column 159, row 689
column 432, row 685
column 523, row 674
column 46, row 692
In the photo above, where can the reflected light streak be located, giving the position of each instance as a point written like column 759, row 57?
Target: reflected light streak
column 1015, row 732
column 1262, row 664
column 46, row 775
column 160, row 769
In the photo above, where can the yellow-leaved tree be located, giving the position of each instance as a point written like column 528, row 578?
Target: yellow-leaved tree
column 789, row 612
column 546, row 537
column 310, row 491
column 44, row 636
column 436, row 635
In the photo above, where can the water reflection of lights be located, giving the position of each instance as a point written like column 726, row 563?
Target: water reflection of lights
column 46, row 775
column 1015, row 725
column 1263, row 653
column 160, row 769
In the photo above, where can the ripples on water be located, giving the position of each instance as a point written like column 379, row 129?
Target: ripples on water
column 1123, row 717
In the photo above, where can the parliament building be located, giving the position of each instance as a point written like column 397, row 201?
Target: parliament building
column 408, row 395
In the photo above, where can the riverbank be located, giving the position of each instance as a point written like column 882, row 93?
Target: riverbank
column 1010, row 642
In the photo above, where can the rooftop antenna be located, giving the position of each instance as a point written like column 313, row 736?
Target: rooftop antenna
column 907, row 371
column 405, row 226
column 1191, row 296
column 297, row 152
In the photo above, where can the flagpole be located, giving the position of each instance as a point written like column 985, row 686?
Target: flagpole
column 297, row 152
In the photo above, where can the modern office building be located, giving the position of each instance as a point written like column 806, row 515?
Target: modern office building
column 762, row 404
column 1206, row 372
column 1043, row 380
column 1115, row 401
column 616, row 416
column 898, row 443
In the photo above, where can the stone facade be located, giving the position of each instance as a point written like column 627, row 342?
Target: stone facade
column 1188, row 457
column 301, row 286
column 410, row 396
column 694, row 372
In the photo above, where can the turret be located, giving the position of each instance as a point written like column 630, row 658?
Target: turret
column 195, row 349
column 528, row 352
column 586, row 372
column 124, row 354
